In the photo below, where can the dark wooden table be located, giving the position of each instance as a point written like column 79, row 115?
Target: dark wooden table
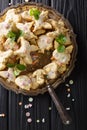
column 15, row 119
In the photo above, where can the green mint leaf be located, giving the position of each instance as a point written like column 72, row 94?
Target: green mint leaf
column 61, row 48
column 11, row 35
column 35, row 12
column 15, row 35
column 17, row 72
column 21, row 67
column 36, row 16
column 31, row 12
column 61, row 39
column 21, row 33
column 10, row 65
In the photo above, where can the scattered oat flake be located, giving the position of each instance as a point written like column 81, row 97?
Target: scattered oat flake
column 2, row 115
column 71, row 82
column 30, row 99
column 67, row 85
column 27, row 114
column 68, row 108
column 50, row 108
column 20, row 103
column 68, row 95
column 38, row 121
column 43, row 120
column 29, row 120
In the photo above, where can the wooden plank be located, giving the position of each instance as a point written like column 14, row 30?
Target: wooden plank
column 3, row 92
column 3, row 108
column 3, row 4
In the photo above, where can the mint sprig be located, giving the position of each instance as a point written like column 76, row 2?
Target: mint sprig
column 61, row 39
column 61, row 48
column 15, row 35
column 18, row 66
column 21, row 67
column 35, row 12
